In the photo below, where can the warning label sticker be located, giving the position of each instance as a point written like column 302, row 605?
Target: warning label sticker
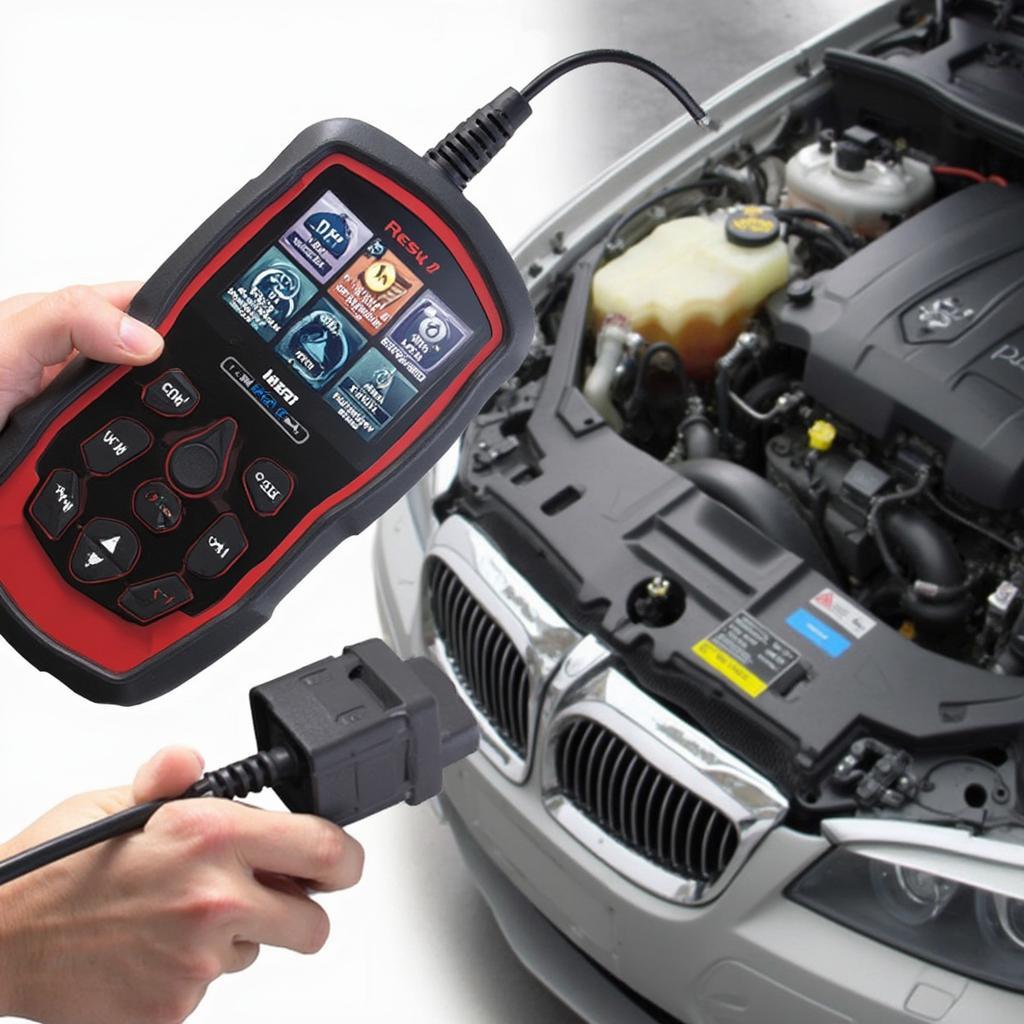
column 856, row 622
column 749, row 655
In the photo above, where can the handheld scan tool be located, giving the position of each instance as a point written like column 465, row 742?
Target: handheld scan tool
column 330, row 331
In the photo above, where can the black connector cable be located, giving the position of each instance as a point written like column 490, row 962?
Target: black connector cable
column 342, row 738
column 234, row 781
column 632, row 60
column 470, row 147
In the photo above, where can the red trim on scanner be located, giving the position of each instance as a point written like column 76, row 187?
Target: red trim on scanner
column 80, row 625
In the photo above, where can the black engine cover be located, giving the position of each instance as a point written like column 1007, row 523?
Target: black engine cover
column 923, row 330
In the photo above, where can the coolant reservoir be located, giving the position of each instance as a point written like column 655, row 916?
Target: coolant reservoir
column 856, row 183
column 695, row 281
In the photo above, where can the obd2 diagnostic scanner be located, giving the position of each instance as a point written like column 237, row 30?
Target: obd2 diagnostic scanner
column 329, row 332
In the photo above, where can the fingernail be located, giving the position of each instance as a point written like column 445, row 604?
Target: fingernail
column 137, row 338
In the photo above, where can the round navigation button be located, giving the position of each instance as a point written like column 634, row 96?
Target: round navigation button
column 197, row 463
column 194, row 467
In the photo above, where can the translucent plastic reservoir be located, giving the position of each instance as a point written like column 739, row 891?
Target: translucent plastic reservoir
column 865, row 196
column 689, row 285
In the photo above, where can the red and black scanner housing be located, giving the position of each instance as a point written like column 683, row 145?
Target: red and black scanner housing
column 151, row 518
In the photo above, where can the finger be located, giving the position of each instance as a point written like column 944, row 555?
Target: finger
column 75, row 319
column 298, row 845
column 283, row 883
column 169, row 773
column 240, row 956
column 120, row 293
column 280, row 919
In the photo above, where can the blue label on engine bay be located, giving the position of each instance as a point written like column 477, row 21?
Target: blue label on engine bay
column 832, row 643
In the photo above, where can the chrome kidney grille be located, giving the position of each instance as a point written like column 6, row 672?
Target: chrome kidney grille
column 490, row 669
column 644, row 791
column 641, row 807
column 495, row 636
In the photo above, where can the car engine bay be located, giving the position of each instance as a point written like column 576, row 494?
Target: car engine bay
column 769, row 443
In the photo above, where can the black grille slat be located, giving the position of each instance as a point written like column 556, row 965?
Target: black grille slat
column 578, row 776
column 484, row 659
column 670, row 800
column 627, row 820
column 599, row 741
column 658, row 782
column 482, row 669
column 638, row 813
column 497, row 659
column 682, row 864
column 519, row 683
column 639, row 805
column 602, row 781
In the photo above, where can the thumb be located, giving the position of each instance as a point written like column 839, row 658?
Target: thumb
column 82, row 318
column 47, row 332
column 167, row 774
column 88, row 320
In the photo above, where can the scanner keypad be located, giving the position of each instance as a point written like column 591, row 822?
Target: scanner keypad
column 192, row 517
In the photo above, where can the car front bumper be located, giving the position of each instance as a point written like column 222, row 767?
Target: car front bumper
column 615, row 952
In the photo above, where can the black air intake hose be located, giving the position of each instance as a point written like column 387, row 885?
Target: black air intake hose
column 699, row 436
column 933, row 559
column 758, row 502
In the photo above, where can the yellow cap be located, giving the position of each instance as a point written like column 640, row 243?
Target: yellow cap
column 908, row 629
column 820, row 435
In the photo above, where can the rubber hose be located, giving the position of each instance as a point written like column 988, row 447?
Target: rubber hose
column 933, row 559
column 758, row 502
column 700, row 437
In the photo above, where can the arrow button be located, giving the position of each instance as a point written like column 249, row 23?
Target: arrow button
column 106, row 550
column 149, row 600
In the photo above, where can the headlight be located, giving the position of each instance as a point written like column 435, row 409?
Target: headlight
column 960, row 927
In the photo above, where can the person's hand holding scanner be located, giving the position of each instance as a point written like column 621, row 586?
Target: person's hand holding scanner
column 134, row 930
column 40, row 333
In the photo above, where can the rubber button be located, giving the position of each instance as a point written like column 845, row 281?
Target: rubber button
column 157, row 506
column 218, row 549
column 171, row 394
column 196, row 464
column 268, row 486
column 117, row 444
column 149, row 600
column 195, row 467
column 105, row 550
column 57, row 503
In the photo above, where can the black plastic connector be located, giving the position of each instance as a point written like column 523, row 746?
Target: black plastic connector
column 342, row 738
column 367, row 730
column 469, row 148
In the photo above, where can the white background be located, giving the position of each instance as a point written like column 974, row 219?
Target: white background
column 122, row 125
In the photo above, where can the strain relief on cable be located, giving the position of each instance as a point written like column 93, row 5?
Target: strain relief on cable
column 249, row 775
column 469, row 148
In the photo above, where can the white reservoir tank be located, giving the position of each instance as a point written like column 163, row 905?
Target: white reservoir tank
column 694, row 282
column 858, row 182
